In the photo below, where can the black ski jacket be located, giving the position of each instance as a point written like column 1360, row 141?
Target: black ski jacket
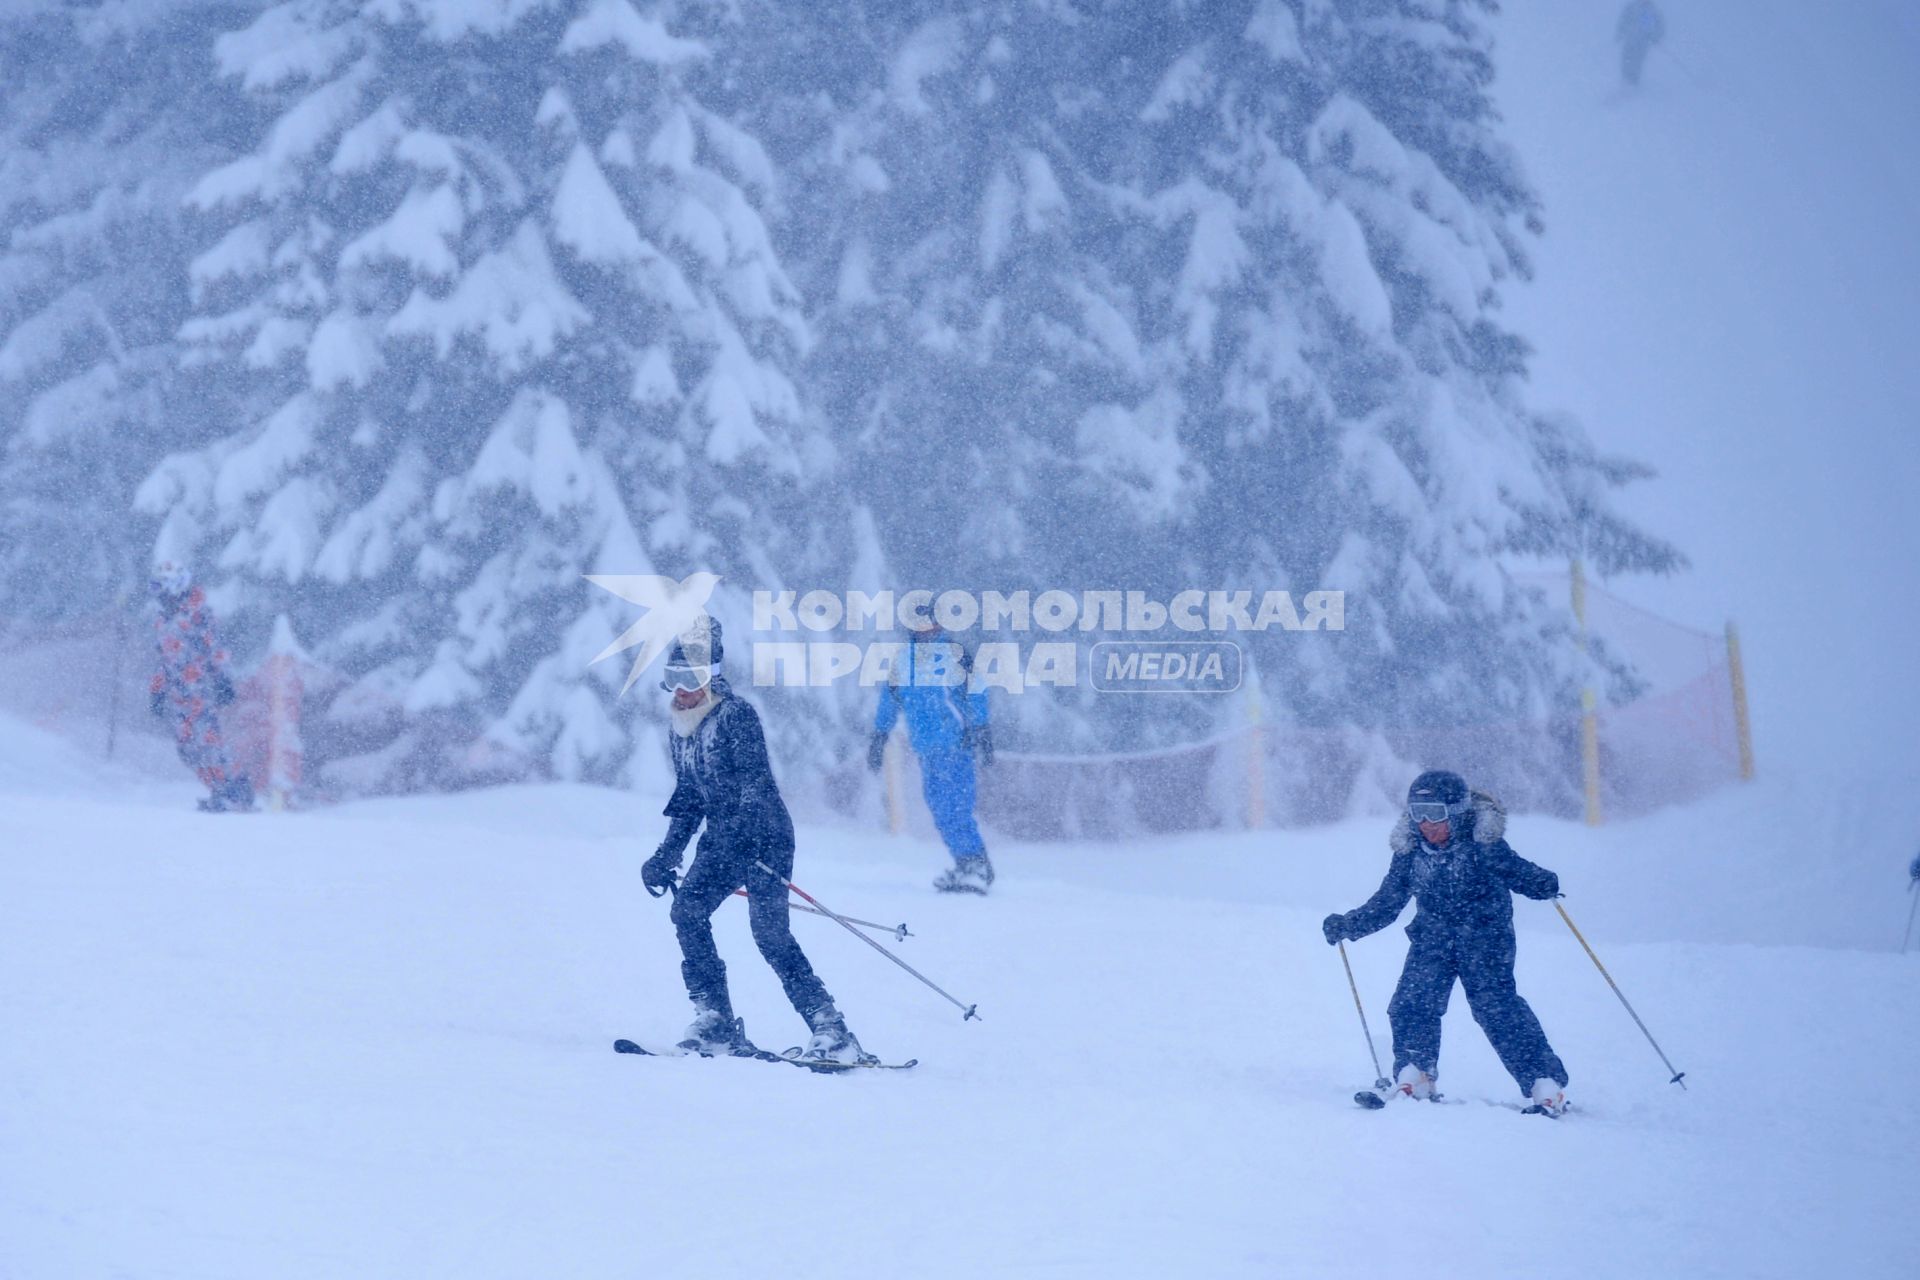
column 1467, row 887
column 722, row 777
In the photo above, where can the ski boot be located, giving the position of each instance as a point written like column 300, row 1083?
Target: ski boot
column 1415, row 1083
column 240, row 795
column 1546, row 1098
column 970, row 873
column 233, row 796
column 716, row 1034
column 832, row 1042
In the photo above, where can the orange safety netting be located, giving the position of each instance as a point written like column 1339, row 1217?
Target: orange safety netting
column 1672, row 742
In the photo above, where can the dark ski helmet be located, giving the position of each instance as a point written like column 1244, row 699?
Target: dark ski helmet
column 1438, row 796
column 695, row 657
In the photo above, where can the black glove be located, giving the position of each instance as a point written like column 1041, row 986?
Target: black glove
column 1335, row 928
column 877, row 752
column 661, row 873
column 980, row 741
column 223, row 692
column 1553, row 887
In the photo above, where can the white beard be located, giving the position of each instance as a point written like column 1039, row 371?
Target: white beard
column 686, row 720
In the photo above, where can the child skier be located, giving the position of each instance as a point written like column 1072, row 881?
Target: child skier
column 191, row 684
column 722, row 777
column 1448, row 852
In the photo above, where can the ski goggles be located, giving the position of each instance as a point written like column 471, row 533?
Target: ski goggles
column 1433, row 810
column 685, row 679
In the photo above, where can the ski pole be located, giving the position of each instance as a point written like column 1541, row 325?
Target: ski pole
column 1380, row 1081
column 1678, row 1076
column 899, row 931
column 1907, row 937
column 966, row 1010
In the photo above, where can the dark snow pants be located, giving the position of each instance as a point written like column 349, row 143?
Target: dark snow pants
column 712, row 878
column 1483, row 962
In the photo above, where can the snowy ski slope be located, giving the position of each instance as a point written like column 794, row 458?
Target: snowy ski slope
column 374, row 1041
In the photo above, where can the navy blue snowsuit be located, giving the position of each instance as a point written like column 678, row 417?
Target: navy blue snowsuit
column 722, row 777
column 1462, row 928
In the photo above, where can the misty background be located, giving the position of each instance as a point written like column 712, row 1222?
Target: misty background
column 394, row 320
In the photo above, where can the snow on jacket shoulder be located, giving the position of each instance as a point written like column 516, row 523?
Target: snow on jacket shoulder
column 1469, row 884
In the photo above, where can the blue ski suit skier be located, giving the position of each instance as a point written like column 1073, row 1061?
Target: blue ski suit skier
column 946, row 725
column 1450, row 856
column 723, row 779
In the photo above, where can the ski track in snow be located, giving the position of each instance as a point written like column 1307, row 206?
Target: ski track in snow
column 376, row 1041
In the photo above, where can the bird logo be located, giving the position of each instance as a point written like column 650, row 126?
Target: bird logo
column 671, row 608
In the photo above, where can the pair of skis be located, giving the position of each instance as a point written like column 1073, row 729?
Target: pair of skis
column 791, row 1057
column 1375, row 1099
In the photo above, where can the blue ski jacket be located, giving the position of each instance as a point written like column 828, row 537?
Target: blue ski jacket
column 938, row 714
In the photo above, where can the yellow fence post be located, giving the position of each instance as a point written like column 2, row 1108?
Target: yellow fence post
column 891, row 772
column 1589, row 721
column 1742, row 728
column 1256, row 755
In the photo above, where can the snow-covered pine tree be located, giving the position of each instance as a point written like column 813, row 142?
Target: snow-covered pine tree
column 497, row 289
column 1350, row 217
column 973, row 323
column 1104, row 294
column 1208, row 295
column 971, row 286
column 98, row 143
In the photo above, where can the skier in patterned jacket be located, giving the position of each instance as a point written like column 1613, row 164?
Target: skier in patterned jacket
column 1449, row 853
column 191, row 685
column 723, row 779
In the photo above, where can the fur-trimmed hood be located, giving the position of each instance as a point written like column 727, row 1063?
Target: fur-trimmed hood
column 1489, row 825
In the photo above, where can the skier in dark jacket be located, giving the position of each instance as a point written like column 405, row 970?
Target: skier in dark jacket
column 1449, row 855
column 192, row 685
column 723, row 778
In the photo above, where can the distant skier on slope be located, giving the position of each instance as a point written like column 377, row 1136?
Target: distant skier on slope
column 1913, row 887
column 1639, row 29
column 191, row 684
column 947, row 727
column 1449, row 854
column 723, row 778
